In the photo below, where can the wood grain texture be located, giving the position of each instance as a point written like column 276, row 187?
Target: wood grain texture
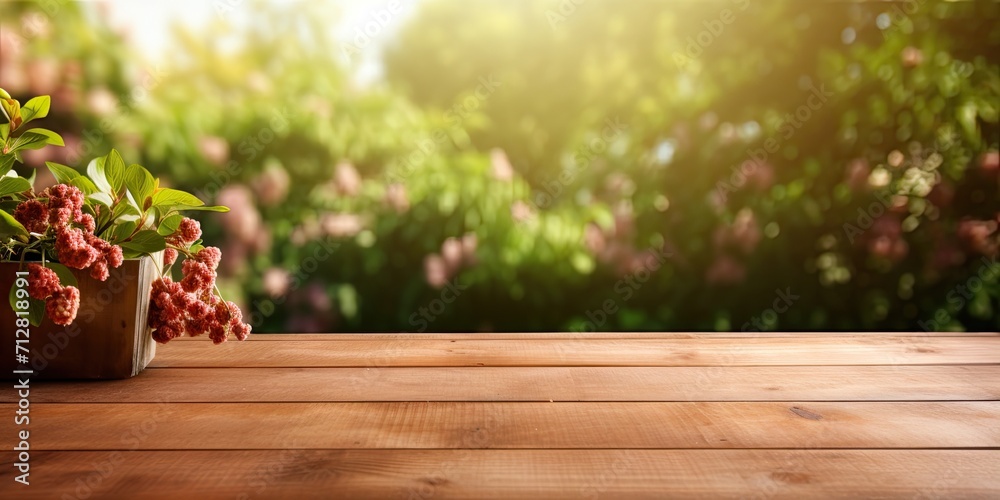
column 823, row 351
column 733, row 383
column 467, row 416
column 542, row 474
column 229, row 426
column 109, row 338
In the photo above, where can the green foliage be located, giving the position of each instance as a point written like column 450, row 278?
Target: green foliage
column 626, row 135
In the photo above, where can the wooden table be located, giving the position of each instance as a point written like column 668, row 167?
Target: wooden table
column 528, row 415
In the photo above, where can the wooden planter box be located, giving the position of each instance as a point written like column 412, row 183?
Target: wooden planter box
column 109, row 338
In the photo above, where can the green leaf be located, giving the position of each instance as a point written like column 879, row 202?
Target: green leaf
column 123, row 230
column 36, row 138
column 114, row 169
column 167, row 197
column 6, row 163
column 83, row 184
column 95, row 170
column 11, row 185
column 122, row 210
column 36, row 308
column 216, row 208
column 36, row 108
column 12, row 110
column 4, row 131
column 62, row 173
column 169, row 225
column 145, row 242
column 9, row 226
column 102, row 198
column 140, row 184
column 66, row 277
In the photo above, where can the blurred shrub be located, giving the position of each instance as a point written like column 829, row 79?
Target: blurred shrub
column 526, row 168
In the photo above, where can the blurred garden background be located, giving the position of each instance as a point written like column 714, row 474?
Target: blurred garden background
column 553, row 165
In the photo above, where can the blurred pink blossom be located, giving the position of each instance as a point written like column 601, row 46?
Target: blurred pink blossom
column 980, row 236
column 435, row 271
column 725, row 271
column 624, row 220
column 101, row 102
column 502, row 169
column 272, row 184
column 35, row 25
column 214, row 149
column 521, row 211
column 43, row 76
column 762, row 176
column 15, row 80
column 989, row 162
column 276, row 282
column 858, row 171
column 243, row 221
column 912, row 57
column 396, row 197
column 746, row 231
column 470, row 243
column 341, row 225
column 11, row 48
column 594, row 239
column 346, row 179
column 451, row 252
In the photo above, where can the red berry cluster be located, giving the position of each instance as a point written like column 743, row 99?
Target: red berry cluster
column 61, row 302
column 76, row 247
column 190, row 306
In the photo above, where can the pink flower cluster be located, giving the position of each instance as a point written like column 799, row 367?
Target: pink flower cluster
column 76, row 247
column 189, row 306
column 187, row 233
column 61, row 303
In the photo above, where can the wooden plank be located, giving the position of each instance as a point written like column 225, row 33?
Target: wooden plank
column 582, row 335
column 546, row 474
column 164, row 426
column 734, row 383
column 577, row 352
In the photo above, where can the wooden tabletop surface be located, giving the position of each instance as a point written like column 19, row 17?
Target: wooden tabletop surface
column 643, row 415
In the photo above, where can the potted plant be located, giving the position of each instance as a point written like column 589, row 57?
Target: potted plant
column 88, row 262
